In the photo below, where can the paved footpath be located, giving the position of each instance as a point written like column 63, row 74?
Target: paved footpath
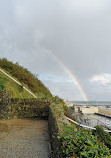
column 24, row 138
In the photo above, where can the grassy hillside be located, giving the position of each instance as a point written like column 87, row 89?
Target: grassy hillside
column 16, row 91
column 25, row 77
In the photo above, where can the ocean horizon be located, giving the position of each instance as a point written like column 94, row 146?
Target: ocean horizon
column 105, row 103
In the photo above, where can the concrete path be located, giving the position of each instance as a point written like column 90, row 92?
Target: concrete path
column 24, row 138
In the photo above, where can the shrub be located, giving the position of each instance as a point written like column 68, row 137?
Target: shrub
column 1, row 84
column 81, row 144
column 57, row 100
column 102, row 135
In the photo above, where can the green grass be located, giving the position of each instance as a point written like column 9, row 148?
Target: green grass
column 15, row 90
column 25, row 77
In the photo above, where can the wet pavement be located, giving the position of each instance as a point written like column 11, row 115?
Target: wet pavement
column 24, row 138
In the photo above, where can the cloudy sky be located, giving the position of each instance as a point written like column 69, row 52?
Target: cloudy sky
column 61, row 41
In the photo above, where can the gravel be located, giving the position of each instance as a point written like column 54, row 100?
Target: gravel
column 24, row 138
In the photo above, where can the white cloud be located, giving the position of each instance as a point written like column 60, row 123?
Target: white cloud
column 104, row 79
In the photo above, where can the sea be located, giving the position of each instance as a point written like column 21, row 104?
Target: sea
column 91, row 103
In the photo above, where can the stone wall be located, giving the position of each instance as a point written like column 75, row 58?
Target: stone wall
column 21, row 108
column 53, row 131
column 89, row 110
column 4, row 104
column 104, row 112
column 56, row 121
column 28, row 108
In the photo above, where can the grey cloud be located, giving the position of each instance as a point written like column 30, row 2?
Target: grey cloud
column 76, row 32
column 69, row 90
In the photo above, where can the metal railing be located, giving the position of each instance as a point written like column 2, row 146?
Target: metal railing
column 84, row 126
column 18, row 83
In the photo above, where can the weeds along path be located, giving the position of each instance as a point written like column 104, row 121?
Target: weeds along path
column 24, row 138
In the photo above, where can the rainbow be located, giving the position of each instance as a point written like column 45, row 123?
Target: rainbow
column 76, row 82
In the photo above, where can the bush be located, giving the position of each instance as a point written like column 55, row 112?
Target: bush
column 81, row 144
column 57, row 100
column 1, row 84
column 66, row 108
column 102, row 135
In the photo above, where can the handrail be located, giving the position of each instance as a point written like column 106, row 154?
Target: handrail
column 18, row 83
column 84, row 125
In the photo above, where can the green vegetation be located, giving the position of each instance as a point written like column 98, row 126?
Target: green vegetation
column 103, row 136
column 81, row 143
column 25, row 77
column 74, row 141
column 1, row 84
column 9, row 85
